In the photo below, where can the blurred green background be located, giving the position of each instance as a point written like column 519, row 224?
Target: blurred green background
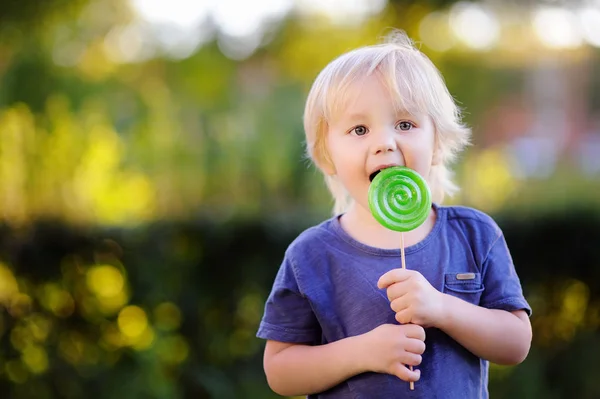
column 152, row 174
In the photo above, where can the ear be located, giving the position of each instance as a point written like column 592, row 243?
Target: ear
column 324, row 163
column 327, row 167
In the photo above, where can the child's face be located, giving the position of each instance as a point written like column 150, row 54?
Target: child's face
column 369, row 133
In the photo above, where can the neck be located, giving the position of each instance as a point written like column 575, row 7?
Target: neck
column 360, row 224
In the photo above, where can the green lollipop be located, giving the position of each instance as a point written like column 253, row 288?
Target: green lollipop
column 399, row 198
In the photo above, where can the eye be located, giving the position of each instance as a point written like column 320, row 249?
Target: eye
column 405, row 125
column 359, row 130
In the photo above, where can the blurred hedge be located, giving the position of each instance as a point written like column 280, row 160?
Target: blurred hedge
column 169, row 310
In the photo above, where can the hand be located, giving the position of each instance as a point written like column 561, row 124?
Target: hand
column 412, row 297
column 389, row 348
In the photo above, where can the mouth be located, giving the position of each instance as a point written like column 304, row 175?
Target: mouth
column 379, row 169
column 372, row 175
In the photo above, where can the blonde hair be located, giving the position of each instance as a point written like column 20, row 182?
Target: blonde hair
column 416, row 86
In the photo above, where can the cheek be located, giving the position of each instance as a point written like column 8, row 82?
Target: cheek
column 330, row 157
column 341, row 154
column 420, row 158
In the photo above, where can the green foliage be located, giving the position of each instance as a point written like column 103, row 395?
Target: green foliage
column 24, row 16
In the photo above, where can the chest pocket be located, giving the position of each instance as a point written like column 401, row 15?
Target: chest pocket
column 466, row 286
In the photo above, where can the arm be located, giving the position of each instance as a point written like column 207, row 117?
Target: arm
column 293, row 369
column 496, row 335
column 501, row 336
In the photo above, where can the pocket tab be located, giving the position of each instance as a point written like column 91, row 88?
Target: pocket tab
column 465, row 276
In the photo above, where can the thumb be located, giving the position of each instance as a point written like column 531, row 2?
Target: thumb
column 393, row 276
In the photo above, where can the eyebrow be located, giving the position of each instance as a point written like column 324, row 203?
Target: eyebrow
column 363, row 116
column 405, row 112
column 356, row 116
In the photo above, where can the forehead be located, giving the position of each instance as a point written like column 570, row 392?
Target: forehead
column 361, row 94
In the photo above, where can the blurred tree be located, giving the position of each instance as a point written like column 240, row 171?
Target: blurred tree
column 22, row 17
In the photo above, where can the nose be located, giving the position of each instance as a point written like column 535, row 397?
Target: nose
column 384, row 142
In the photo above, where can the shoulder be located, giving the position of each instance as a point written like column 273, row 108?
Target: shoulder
column 471, row 221
column 306, row 257
column 474, row 231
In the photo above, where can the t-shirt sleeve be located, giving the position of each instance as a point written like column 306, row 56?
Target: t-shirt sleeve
column 288, row 315
column 502, row 287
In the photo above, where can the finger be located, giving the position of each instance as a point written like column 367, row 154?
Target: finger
column 393, row 276
column 414, row 331
column 399, row 304
column 416, row 346
column 405, row 374
column 396, row 290
column 410, row 359
column 404, row 316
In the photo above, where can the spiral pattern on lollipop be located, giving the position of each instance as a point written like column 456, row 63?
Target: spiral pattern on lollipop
column 399, row 198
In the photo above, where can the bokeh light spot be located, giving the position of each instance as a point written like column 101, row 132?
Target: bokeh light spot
column 35, row 358
column 8, row 284
column 105, row 280
column 132, row 321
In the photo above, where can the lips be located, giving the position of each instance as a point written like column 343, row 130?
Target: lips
column 379, row 169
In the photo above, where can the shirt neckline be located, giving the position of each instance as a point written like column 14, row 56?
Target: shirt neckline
column 341, row 233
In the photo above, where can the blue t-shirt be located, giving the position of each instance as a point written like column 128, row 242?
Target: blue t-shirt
column 326, row 290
